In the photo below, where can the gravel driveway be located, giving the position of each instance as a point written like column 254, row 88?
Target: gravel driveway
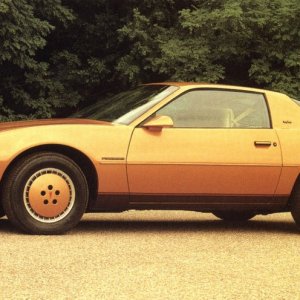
column 154, row 255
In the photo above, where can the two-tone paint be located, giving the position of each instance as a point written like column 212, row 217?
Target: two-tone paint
column 174, row 168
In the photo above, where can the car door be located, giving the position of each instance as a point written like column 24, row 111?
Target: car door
column 221, row 149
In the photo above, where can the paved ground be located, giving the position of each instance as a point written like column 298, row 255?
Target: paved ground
column 154, row 255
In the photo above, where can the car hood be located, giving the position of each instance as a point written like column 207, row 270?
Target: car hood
column 33, row 123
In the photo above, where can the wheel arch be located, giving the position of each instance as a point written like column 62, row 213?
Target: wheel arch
column 81, row 159
column 295, row 186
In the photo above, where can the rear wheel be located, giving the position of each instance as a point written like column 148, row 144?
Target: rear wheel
column 45, row 193
column 235, row 216
column 295, row 204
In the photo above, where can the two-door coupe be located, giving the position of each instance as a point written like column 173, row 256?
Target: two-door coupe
column 231, row 151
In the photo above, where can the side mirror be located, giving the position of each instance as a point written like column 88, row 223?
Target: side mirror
column 158, row 123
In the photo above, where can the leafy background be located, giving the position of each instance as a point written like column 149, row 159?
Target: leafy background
column 57, row 55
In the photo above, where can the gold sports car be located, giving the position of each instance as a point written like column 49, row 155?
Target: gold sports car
column 228, row 150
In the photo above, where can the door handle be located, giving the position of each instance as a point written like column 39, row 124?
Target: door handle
column 263, row 143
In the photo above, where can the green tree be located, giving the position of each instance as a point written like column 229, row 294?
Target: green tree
column 27, row 88
column 251, row 42
column 58, row 54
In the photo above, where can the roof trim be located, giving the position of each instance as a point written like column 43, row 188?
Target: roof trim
column 210, row 85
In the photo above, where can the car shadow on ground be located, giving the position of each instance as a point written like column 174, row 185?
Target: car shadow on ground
column 185, row 226
column 163, row 226
column 6, row 227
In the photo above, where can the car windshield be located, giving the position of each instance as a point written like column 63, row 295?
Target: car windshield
column 297, row 101
column 125, row 107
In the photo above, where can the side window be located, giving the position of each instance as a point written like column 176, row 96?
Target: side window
column 218, row 109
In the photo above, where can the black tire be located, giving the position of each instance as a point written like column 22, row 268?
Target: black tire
column 234, row 216
column 295, row 204
column 22, row 182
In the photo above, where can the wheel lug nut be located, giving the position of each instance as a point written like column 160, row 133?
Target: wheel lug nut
column 46, row 201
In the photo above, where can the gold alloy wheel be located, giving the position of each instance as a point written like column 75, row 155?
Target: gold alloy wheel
column 49, row 195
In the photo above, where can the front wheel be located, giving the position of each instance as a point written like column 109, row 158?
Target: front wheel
column 45, row 193
column 234, row 216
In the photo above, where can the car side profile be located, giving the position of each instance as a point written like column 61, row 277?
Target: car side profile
column 227, row 150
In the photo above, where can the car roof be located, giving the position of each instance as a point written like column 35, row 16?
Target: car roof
column 209, row 85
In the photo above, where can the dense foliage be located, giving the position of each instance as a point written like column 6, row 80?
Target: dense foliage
column 58, row 54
